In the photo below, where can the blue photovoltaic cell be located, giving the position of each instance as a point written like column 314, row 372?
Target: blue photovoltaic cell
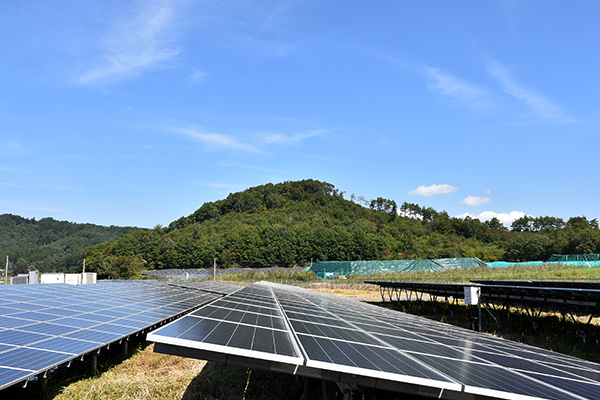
column 5, row 347
column 132, row 323
column 81, row 309
column 61, row 312
column 10, row 322
column 144, row 318
column 95, row 317
column 75, row 322
column 48, row 329
column 58, row 322
column 9, row 376
column 9, row 310
column 32, row 359
column 66, row 345
column 116, row 329
column 36, row 316
column 26, row 306
column 20, row 338
column 113, row 314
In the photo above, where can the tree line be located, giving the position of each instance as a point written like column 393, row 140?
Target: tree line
column 49, row 245
column 299, row 222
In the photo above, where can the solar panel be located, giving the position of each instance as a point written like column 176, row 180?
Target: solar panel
column 191, row 273
column 577, row 298
column 209, row 286
column 332, row 338
column 42, row 326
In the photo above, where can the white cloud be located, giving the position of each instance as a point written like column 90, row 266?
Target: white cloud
column 253, row 142
column 433, row 190
column 135, row 43
column 10, row 184
column 505, row 218
column 408, row 214
column 13, row 145
column 534, row 101
column 284, row 140
column 464, row 91
column 218, row 185
column 196, row 77
column 217, row 140
column 475, row 201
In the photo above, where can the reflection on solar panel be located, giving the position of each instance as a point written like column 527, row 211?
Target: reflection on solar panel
column 288, row 329
column 43, row 326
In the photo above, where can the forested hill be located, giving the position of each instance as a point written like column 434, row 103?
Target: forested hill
column 47, row 244
column 293, row 223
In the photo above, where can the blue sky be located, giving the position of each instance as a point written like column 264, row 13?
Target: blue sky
column 137, row 112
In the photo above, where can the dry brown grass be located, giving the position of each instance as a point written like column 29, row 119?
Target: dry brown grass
column 351, row 293
column 145, row 375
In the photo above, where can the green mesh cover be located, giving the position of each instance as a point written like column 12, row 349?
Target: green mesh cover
column 574, row 257
column 335, row 269
column 509, row 264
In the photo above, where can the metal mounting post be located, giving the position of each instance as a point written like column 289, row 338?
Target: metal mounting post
column 94, row 364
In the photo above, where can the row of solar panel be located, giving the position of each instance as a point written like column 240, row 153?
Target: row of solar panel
column 575, row 296
column 42, row 326
column 322, row 332
column 193, row 273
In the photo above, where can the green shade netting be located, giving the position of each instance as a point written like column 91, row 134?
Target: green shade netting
column 574, row 257
column 509, row 264
column 344, row 268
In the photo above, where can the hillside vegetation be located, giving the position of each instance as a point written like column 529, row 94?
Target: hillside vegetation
column 294, row 223
column 47, row 244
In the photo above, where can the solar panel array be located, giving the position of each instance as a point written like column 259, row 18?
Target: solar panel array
column 43, row 326
column 193, row 273
column 208, row 286
column 290, row 329
column 575, row 296
column 545, row 284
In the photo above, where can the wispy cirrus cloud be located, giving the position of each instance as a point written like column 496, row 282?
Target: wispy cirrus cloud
column 217, row 185
column 12, row 145
column 141, row 39
column 287, row 140
column 10, row 184
column 255, row 142
column 475, row 201
column 217, row 140
column 196, row 77
column 540, row 105
column 433, row 190
column 461, row 90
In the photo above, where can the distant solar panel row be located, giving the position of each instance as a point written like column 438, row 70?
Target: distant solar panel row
column 293, row 330
column 193, row 273
column 43, row 326
column 576, row 296
column 208, row 286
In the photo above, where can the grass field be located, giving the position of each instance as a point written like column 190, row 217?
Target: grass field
column 147, row 375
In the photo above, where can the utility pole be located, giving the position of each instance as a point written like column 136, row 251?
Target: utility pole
column 214, row 270
column 6, row 272
column 84, row 265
